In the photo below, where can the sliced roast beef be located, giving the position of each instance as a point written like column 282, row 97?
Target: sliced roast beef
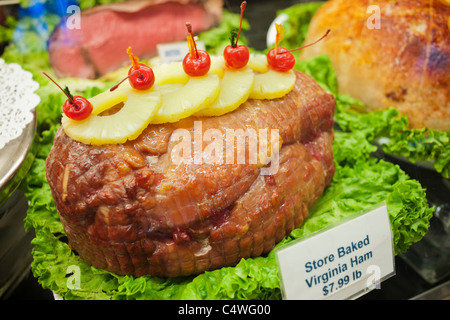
column 99, row 45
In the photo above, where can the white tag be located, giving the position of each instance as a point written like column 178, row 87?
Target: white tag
column 342, row 262
column 175, row 51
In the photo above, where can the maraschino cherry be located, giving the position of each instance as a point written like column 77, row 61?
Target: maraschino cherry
column 75, row 107
column 196, row 63
column 236, row 56
column 281, row 59
column 145, row 79
column 140, row 76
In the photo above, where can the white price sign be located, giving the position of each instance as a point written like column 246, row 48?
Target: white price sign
column 175, row 51
column 342, row 262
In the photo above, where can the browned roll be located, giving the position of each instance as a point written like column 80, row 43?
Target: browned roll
column 130, row 209
column 404, row 62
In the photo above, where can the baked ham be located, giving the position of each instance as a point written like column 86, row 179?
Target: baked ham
column 99, row 44
column 131, row 210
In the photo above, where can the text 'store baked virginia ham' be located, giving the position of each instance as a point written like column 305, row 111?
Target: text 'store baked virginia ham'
column 96, row 47
column 395, row 54
column 128, row 208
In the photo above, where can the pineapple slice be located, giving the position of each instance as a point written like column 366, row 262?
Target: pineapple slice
column 170, row 73
column 198, row 93
column 235, row 88
column 126, row 124
column 169, row 88
column 107, row 99
column 258, row 62
column 217, row 66
column 272, row 84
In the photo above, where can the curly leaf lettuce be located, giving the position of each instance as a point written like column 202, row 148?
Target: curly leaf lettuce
column 389, row 129
column 297, row 24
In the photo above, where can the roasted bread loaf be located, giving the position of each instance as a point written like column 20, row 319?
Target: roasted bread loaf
column 129, row 209
column 393, row 54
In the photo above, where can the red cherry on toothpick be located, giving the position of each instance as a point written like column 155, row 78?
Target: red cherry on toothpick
column 236, row 56
column 196, row 63
column 198, row 66
column 75, row 107
column 281, row 59
column 143, row 79
column 140, row 76
column 79, row 109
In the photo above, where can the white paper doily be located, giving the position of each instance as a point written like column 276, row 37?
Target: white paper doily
column 17, row 100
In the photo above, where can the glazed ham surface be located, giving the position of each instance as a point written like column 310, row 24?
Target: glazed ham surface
column 131, row 210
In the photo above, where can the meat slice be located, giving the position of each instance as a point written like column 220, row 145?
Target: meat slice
column 131, row 209
column 99, row 45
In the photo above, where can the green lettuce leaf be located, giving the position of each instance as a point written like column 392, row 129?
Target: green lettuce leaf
column 319, row 68
column 388, row 129
column 297, row 25
column 216, row 39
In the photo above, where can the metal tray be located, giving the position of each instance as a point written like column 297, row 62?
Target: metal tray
column 16, row 158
